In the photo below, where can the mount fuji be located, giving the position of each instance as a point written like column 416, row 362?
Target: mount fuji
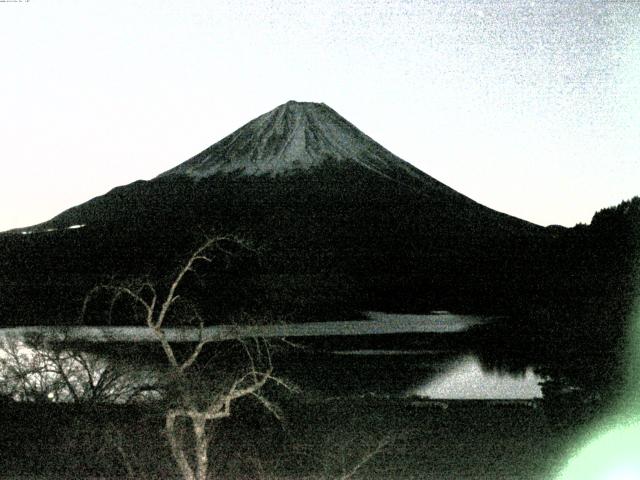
column 339, row 224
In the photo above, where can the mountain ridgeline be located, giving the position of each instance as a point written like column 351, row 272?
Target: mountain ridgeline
column 337, row 224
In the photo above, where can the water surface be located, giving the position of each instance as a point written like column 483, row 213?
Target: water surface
column 467, row 379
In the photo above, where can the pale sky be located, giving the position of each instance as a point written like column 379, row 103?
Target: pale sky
column 531, row 108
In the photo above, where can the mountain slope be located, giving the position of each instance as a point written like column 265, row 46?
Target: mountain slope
column 340, row 225
column 306, row 141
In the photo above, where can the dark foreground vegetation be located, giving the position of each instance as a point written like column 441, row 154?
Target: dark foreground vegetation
column 366, row 438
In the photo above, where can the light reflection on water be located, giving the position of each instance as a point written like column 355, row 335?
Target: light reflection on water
column 466, row 379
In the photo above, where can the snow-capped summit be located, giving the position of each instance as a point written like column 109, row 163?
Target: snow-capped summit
column 291, row 138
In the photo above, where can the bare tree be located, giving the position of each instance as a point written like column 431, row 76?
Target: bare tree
column 194, row 397
column 31, row 370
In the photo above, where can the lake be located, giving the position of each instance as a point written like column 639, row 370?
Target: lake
column 428, row 369
column 399, row 373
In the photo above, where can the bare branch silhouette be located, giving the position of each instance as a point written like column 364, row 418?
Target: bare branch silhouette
column 191, row 399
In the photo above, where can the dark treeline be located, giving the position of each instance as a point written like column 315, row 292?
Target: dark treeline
column 576, row 330
column 592, row 308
